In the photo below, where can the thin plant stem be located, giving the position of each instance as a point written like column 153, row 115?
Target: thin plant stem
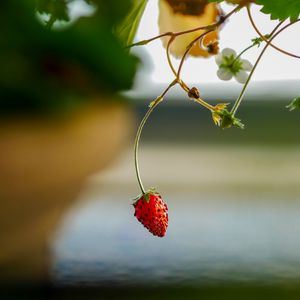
column 140, row 129
column 145, row 42
column 265, row 39
column 188, row 49
column 169, row 57
column 241, row 53
column 241, row 95
column 182, row 84
column 273, row 35
column 159, row 99
column 204, row 103
column 207, row 27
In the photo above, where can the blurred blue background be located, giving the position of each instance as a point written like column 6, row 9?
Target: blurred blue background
column 233, row 198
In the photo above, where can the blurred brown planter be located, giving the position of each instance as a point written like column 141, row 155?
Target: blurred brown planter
column 43, row 165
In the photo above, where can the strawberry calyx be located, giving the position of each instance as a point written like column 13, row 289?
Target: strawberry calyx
column 145, row 196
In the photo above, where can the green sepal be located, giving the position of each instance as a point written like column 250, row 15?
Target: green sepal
column 228, row 120
column 146, row 196
column 294, row 104
column 258, row 40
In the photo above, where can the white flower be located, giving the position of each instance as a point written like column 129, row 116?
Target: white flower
column 232, row 66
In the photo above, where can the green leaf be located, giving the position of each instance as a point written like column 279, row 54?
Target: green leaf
column 126, row 30
column 281, row 9
column 294, row 104
column 113, row 11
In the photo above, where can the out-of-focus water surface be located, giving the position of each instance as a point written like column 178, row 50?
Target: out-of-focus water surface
column 234, row 218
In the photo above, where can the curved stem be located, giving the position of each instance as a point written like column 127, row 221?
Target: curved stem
column 184, row 85
column 159, row 99
column 273, row 35
column 153, row 105
column 207, row 27
column 205, row 104
column 169, row 57
column 241, row 95
column 241, row 53
column 212, row 26
column 145, row 42
column 188, row 49
column 265, row 39
column 136, row 146
column 177, row 74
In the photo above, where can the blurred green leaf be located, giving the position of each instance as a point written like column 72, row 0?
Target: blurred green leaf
column 44, row 70
column 127, row 29
column 112, row 11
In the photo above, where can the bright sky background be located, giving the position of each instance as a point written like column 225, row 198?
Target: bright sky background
column 236, row 34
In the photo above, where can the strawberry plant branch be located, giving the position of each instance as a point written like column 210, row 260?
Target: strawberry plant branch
column 208, row 28
column 175, row 34
column 172, row 38
column 185, row 87
column 177, row 73
column 152, row 106
column 273, row 35
column 241, row 95
column 188, row 49
column 242, row 52
column 179, row 81
column 197, row 98
column 265, row 39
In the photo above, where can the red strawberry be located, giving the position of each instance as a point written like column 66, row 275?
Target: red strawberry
column 152, row 212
